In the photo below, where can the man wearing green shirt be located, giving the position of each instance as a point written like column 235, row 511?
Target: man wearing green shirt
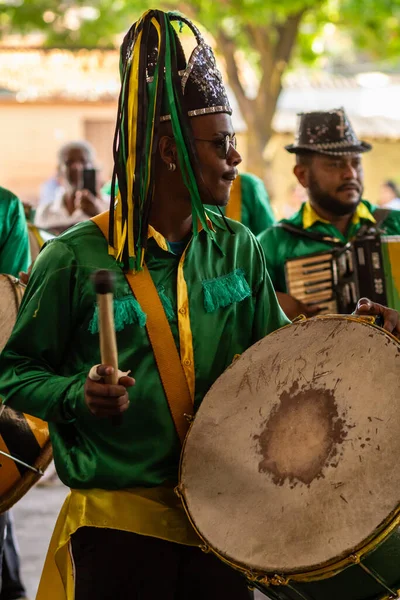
column 328, row 165
column 14, row 241
column 122, row 524
column 122, row 532
column 14, row 258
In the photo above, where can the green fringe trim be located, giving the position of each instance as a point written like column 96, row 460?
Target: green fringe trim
column 166, row 302
column 225, row 290
column 127, row 311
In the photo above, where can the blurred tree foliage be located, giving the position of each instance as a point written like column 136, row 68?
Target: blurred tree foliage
column 267, row 34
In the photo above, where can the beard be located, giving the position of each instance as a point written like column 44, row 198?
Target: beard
column 329, row 203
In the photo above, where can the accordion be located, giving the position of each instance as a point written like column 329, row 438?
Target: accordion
column 334, row 280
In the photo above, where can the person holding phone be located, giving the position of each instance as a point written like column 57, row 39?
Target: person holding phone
column 77, row 198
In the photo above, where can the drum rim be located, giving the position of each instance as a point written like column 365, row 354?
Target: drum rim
column 322, row 571
column 328, row 568
column 16, row 285
column 28, row 479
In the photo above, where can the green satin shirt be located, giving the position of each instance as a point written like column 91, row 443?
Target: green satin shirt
column 55, row 342
column 14, row 241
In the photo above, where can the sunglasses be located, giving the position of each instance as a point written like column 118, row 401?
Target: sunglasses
column 223, row 144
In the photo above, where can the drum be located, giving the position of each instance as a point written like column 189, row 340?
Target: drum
column 11, row 292
column 37, row 237
column 290, row 471
column 25, row 449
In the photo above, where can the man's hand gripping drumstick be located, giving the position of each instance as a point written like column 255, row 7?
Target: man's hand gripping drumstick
column 106, row 387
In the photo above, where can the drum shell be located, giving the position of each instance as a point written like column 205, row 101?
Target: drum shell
column 21, row 435
column 352, row 583
column 11, row 292
column 16, row 480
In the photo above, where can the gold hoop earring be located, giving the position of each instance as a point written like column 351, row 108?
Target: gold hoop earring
column 171, row 167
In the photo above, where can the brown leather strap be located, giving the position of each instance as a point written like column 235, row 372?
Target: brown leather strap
column 312, row 235
column 162, row 341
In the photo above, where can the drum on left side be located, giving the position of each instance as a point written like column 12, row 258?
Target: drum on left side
column 24, row 440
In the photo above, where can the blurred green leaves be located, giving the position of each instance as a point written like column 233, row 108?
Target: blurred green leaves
column 372, row 25
column 270, row 35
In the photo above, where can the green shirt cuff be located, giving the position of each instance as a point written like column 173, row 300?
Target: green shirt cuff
column 74, row 401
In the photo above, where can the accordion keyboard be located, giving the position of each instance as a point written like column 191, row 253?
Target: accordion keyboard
column 311, row 279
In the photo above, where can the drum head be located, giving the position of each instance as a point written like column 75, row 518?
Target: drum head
column 21, row 436
column 292, row 459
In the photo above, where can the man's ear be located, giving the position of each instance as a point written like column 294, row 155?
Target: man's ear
column 302, row 174
column 168, row 152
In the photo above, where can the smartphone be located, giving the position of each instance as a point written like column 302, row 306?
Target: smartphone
column 89, row 180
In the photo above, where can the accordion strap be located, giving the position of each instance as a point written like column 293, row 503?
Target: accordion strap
column 368, row 229
column 380, row 215
column 312, row 235
column 374, row 228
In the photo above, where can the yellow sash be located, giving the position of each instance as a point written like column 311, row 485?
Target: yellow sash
column 234, row 207
column 148, row 511
column 162, row 341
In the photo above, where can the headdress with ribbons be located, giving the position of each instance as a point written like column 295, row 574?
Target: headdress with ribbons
column 157, row 84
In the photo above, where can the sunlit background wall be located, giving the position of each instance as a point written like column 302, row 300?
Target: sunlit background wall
column 59, row 81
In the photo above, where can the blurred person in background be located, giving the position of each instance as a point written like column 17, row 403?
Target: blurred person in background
column 71, row 202
column 389, row 195
column 14, row 258
column 329, row 167
column 11, row 586
column 49, row 188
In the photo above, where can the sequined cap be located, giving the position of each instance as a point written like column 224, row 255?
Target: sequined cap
column 202, row 85
column 328, row 132
column 157, row 81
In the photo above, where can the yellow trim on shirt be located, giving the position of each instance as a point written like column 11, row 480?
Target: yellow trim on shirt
column 154, row 512
column 159, row 238
column 185, row 331
column 162, row 242
column 363, row 212
column 310, row 216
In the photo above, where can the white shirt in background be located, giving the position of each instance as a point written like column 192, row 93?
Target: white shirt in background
column 393, row 204
column 55, row 215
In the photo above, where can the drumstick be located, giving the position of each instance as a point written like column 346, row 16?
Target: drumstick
column 103, row 281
